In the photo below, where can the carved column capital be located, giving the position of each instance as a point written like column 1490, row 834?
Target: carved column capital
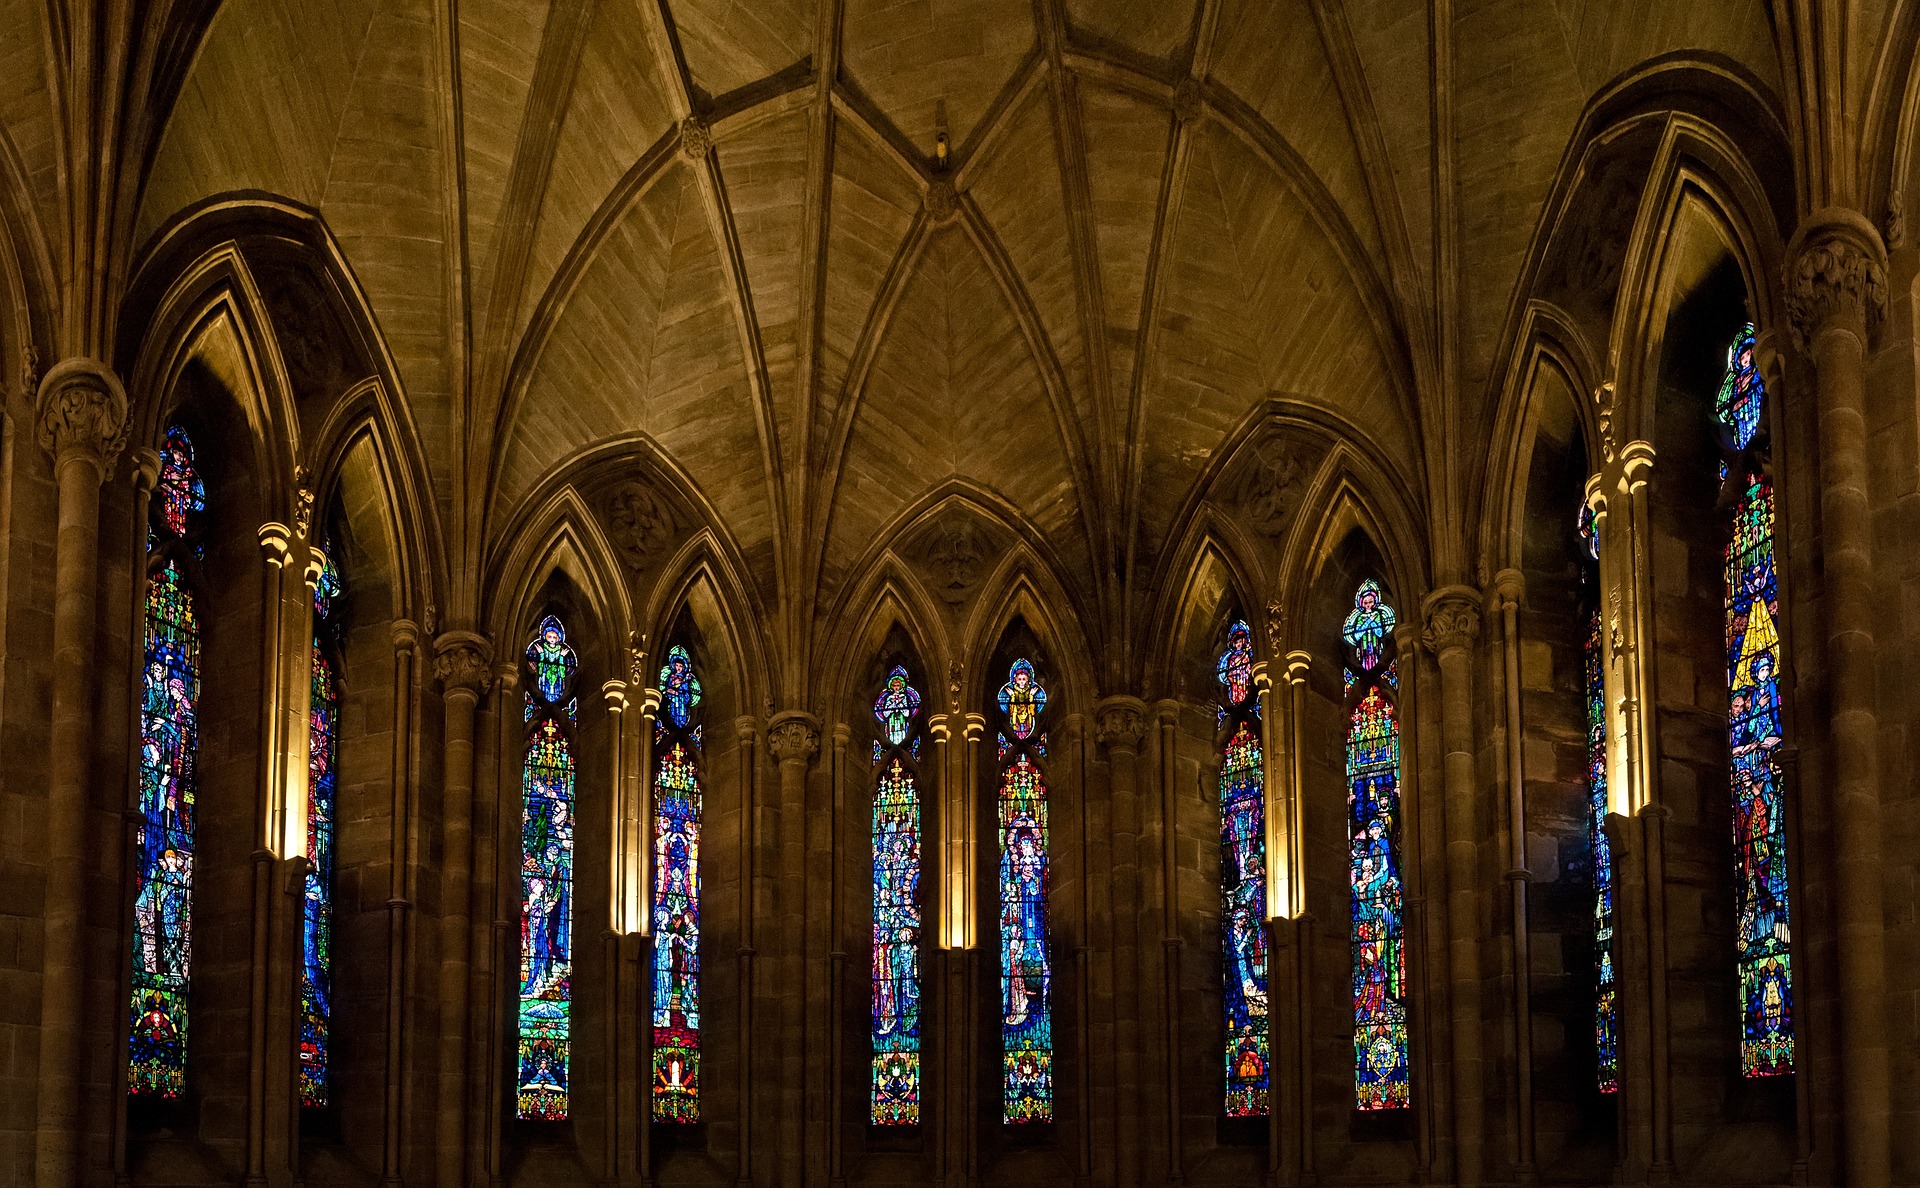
column 405, row 634
column 1120, row 723
column 81, row 414
column 793, row 736
column 276, row 542
column 1452, row 615
column 461, row 660
column 1836, row 276
column 1509, row 586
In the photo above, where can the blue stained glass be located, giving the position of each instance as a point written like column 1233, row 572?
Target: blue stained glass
column 1381, row 1079
column 169, row 742
column 1022, row 699
column 1026, row 970
column 1764, row 935
column 895, row 1086
column 1606, row 1017
column 676, row 898
column 679, row 686
column 546, row 879
column 316, row 981
column 1243, row 882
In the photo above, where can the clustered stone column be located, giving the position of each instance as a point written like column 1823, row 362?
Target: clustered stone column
column 461, row 661
column 82, row 423
column 1452, row 625
column 1836, row 292
column 793, row 737
column 1119, row 726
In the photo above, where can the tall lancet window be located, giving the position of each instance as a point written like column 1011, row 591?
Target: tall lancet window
column 169, row 739
column 1243, row 878
column 1373, row 800
column 676, row 892
column 546, row 875
column 896, row 903
column 323, row 717
column 1026, row 972
column 1606, row 1010
column 1764, row 937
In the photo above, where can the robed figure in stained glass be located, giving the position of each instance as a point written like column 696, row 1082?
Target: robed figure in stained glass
column 546, row 876
column 1606, row 1009
column 1026, row 970
column 677, row 797
column 894, row 1095
column 164, row 842
column 1373, row 800
column 316, row 968
column 1755, row 729
column 1243, row 878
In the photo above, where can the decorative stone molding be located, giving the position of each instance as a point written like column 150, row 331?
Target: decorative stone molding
column 1452, row 615
column 696, row 138
column 1276, row 626
column 953, row 550
column 637, row 660
column 942, row 201
column 638, row 523
column 461, row 662
column 1189, row 100
column 276, row 542
column 1509, row 586
column 793, row 736
column 81, row 413
column 302, row 504
column 1120, row 723
column 1836, row 276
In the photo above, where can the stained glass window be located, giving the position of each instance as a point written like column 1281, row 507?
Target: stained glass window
column 546, row 876
column 316, row 970
column 676, row 893
column 1764, row 937
column 1243, row 879
column 163, row 835
column 895, row 1095
column 1373, row 801
column 1026, row 972
column 1606, row 1008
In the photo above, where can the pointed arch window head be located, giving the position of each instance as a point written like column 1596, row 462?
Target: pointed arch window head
column 1373, row 800
column 546, row 876
column 1243, row 880
column 895, row 1087
column 677, row 796
column 1026, row 969
column 169, row 783
column 1764, row 936
column 323, row 716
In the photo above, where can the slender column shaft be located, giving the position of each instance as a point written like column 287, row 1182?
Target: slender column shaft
column 1508, row 587
column 461, row 661
column 1453, row 622
column 794, row 739
column 1837, row 290
column 747, row 730
column 83, row 424
column 1168, row 717
column 1120, row 724
column 406, row 639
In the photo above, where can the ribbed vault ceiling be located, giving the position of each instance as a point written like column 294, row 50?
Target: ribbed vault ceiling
column 1156, row 214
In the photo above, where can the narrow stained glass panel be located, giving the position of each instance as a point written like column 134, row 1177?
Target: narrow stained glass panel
column 676, row 896
column 1243, row 882
column 164, row 833
column 895, row 1090
column 546, row 878
column 1606, row 1013
column 1373, row 800
column 1026, row 972
column 1764, row 935
column 316, row 972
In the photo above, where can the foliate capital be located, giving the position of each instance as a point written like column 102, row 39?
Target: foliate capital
column 793, row 736
column 1836, row 276
column 81, row 413
column 1452, row 616
column 461, row 662
column 1120, row 723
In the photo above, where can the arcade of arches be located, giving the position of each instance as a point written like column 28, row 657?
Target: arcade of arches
column 964, row 592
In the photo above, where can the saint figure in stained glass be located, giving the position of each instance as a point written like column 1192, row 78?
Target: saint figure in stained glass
column 1026, row 970
column 676, row 895
column 1762, row 917
column 546, row 877
column 1243, row 880
column 1606, row 1011
column 895, row 1086
column 1373, row 800
column 169, row 743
